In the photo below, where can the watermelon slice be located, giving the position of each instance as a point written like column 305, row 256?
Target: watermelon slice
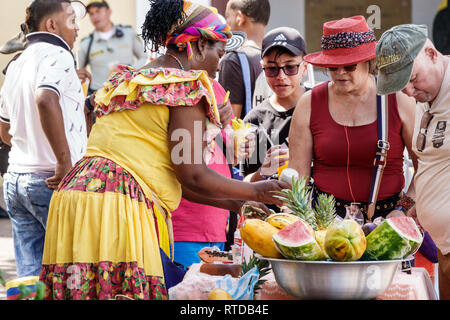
column 297, row 242
column 394, row 238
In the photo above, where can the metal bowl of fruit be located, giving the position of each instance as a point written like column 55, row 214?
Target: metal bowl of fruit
column 334, row 280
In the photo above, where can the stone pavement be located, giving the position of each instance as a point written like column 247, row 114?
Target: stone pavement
column 7, row 262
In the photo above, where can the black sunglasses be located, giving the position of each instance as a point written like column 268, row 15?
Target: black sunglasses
column 349, row 68
column 422, row 136
column 289, row 70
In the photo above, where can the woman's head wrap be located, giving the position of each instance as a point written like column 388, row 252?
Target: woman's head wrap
column 200, row 21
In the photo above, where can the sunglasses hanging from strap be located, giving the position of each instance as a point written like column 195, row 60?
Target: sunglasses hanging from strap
column 383, row 147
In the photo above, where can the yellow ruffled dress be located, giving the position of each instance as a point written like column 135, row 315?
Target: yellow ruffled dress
column 111, row 214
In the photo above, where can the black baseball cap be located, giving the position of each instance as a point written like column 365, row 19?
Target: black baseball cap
column 97, row 3
column 285, row 37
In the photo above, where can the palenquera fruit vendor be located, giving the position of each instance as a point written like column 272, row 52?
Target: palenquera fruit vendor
column 334, row 126
column 111, row 214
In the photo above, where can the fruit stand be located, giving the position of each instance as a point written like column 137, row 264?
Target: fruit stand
column 314, row 254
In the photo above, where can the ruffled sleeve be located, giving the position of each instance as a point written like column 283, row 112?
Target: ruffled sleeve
column 129, row 89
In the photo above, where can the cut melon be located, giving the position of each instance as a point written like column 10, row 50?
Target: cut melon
column 297, row 242
column 394, row 238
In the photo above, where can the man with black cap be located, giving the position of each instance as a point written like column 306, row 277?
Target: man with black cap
column 108, row 46
column 282, row 55
column 408, row 61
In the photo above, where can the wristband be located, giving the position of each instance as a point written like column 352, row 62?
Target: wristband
column 401, row 208
column 263, row 176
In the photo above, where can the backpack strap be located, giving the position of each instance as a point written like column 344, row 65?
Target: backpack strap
column 247, row 81
column 88, row 52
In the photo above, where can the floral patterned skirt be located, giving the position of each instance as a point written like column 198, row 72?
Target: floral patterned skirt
column 103, row 237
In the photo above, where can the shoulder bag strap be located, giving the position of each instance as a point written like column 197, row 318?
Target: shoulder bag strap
column 381, row 154
column 247, row 81
column 88, row 53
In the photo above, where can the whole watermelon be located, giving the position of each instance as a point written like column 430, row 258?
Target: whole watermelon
column 297, row 242
column 394, row 238
column 345, row 241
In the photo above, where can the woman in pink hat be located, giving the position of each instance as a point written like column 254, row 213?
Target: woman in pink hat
column 334, row 126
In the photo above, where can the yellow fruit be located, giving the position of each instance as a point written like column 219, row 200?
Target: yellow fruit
column 257, row 234
column 320, row 238
column 282, row 220
column 219, row 294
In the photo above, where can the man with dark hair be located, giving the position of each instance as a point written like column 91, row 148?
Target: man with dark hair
column 240, row 69
column 108, row 46
column 42, row 117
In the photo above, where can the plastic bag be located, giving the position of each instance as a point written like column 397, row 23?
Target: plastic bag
column 196, row 285
column 244, row 288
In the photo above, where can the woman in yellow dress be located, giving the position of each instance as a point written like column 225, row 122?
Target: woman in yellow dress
column 109, row 224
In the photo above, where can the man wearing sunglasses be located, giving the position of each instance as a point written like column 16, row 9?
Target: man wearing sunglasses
column 408, row 61
column 282, row 62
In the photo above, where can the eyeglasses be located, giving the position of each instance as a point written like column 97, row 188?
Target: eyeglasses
column 422, row 136
column 349, row 68
column 289, row 70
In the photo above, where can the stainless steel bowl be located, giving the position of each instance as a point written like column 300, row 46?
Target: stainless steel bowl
column 334, row 280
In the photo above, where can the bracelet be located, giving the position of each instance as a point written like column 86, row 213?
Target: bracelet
column 401, row 208
column 263, row 176
column 406, row 202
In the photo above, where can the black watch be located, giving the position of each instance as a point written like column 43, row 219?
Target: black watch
column 88, row 104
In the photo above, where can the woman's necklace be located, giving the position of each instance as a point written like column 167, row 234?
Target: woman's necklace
column 176, row 59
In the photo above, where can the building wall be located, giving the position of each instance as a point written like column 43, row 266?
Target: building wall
column 284, row 13
column 10, row 22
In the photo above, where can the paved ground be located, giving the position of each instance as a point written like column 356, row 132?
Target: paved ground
column 7, row 262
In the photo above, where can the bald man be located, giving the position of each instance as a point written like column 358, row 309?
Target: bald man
column 408, row 61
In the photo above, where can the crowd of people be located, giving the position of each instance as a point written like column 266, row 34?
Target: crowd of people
column 122, row 168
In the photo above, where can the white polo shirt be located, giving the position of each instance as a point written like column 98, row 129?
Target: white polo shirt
column 47, row 63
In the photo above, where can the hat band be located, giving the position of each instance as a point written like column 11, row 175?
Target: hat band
column 347, row 40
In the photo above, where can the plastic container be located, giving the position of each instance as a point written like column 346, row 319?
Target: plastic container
column 12, row 287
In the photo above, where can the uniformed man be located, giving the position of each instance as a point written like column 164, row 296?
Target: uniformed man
column 108, row 46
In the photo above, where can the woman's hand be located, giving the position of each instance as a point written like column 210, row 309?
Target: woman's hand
column 225, row 113
column 276, row 157
column 266, row 190
column 395, row 213
column 248, row 207
column 246, row 149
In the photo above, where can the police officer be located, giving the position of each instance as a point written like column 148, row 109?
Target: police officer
column 108, row 46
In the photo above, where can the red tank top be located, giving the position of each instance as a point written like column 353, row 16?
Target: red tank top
column 330, row 152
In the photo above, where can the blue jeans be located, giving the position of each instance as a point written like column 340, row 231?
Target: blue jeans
column 186, row 253
column 27, row 200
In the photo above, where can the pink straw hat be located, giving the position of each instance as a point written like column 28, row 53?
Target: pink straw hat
column 344, row 42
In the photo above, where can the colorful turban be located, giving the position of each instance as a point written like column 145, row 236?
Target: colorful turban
column 200, row 21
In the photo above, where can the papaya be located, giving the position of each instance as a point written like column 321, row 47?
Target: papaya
column 282, row 220
column 257, row 234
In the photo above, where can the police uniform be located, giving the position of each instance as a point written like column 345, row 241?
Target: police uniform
column 122, row 47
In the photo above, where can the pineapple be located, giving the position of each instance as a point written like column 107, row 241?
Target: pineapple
column 325, row 211
column 299, row 200
column 263, row 267
column 325, row 215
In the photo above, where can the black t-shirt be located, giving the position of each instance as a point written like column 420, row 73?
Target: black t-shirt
column 276, row 124
column 230, row 75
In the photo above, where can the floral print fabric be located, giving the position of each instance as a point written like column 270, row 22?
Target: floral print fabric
column 187, row 90
column 104, row 280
